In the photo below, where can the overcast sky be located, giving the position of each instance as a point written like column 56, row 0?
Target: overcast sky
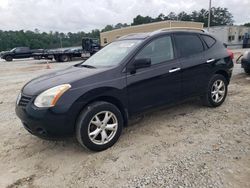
column 84, row 15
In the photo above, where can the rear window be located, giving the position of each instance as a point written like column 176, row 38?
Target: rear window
column 188, row 44
column 210, row 41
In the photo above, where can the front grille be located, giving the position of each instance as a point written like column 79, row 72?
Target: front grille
column 24, row 100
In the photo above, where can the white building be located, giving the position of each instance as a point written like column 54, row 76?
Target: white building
column 231, row 35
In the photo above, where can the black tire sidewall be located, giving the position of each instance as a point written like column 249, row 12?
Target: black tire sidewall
column 211, row 82
column 85, row 117
column 64, row 58
column 8, row 58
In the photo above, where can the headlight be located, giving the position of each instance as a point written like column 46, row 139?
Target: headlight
column 49, row 97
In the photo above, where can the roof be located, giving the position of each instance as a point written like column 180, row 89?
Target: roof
column 164, row 30
column 170, row 22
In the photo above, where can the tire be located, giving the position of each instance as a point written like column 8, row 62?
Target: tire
column 64, row 58
column 247, row 70
column 111, row 130
column 56, row 58
column 8, row 58
column 216, row 93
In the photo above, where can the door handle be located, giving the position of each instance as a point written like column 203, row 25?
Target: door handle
column 174, row 70
column 210, row 60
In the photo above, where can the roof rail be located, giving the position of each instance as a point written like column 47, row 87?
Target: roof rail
column 130, row 34
column 177, row 28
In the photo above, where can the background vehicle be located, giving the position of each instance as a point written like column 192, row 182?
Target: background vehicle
column 19, row 53
column 246, row 41
column 95, row 99
column 89, row 47
column 244, row 59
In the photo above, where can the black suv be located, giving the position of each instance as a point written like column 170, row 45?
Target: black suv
column 19, row 53
column 95, row 99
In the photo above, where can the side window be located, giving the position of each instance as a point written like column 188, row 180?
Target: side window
column 159, row 50
column 188, row 44
column 18, row 50
column 24, row 50
column 208, row 40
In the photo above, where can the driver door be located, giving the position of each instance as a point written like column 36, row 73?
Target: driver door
column 158, row 84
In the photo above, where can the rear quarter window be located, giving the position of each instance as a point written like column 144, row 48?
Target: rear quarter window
column 210, row 41
column 188, row 44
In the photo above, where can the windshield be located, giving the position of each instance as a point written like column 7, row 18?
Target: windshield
column 13, row 50
column 112, row 54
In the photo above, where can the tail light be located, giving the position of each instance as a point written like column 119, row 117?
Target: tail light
column 230, row 53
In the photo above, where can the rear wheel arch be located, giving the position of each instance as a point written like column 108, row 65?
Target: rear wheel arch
column 223, row 73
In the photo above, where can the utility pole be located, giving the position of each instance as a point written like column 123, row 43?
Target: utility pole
column 60, row 41
column 209, row 15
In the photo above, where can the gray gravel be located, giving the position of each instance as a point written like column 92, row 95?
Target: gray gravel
column 187, row 145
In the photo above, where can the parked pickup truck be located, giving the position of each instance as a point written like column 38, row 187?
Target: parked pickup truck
column 19, row 53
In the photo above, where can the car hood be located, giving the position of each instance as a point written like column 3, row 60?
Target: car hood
column 5, row 53
column 65, row 76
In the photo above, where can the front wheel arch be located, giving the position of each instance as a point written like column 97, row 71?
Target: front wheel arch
column 113, row 101
column 8, row 58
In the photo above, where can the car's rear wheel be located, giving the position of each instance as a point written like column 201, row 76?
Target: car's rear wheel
column 99, row 126
column 247, row 70
column 8, row 58
column 216, row 91
column 64, row 58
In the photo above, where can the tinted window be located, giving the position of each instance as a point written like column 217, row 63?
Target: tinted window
column 159, row 50
column 22, row 50
column 188, row 44
column 208, row 40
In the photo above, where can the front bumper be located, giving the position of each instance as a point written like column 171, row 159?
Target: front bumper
column 47, row 122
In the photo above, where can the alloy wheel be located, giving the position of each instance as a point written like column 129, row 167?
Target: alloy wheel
column 218, row 91
column 102, row 127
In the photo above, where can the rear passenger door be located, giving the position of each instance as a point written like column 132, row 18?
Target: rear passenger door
column 193, row 64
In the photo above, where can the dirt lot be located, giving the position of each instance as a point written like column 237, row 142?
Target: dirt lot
column 184, row 146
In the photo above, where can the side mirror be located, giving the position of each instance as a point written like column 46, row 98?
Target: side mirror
column 142, row 63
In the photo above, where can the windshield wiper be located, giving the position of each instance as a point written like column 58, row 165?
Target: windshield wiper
column 85, row 65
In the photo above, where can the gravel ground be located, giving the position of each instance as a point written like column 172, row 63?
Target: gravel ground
column 187, row 145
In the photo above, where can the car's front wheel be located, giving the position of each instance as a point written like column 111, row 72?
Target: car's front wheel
column 216, row 91
column 99, row 126
column 8, row 58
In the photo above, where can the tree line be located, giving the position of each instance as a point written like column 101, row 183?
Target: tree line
column 42, row 40
column 36, row 39
column 219, row 16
